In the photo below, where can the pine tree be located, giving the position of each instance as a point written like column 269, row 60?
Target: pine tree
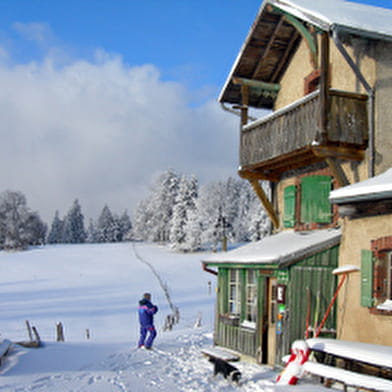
column 143, row 214
column 74, row 232
column 106, row 228
column 193, row 229
column 162, row 204
column 91, row 232
column 185, row 203
column 126, row 227
column 56, row 231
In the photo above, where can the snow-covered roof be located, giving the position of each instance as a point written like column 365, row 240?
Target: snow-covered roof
column 347, row 15
column 375, row 188
column 284, row 247
column 271, row 44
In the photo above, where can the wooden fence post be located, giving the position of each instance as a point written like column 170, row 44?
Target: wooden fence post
column 60, row 332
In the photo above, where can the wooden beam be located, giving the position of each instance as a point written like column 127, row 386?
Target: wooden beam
column 352, row 154
column 245, row 103
column 274, row 87
column 268, row 47
column 266, row 203
column 337, row 171
column 285, row 56
column 324, row 86
column 252, row 175
column 305, row 33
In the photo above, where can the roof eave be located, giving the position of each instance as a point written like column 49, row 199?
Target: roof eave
column 240, row 53
column 349, row 30
column 360, row 198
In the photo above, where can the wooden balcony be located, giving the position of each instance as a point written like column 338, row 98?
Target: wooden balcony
column 293, row 137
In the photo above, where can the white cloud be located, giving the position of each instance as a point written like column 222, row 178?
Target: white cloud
column 100, row 130
column 38, row 32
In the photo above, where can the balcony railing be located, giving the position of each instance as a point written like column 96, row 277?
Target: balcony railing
column 277, row 141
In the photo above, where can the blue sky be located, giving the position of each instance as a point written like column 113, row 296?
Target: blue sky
column 377, row 3
column 99, row 96
column 194, row 42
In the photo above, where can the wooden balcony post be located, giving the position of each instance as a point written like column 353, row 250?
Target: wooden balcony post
column 245, row 103
column 324, row 85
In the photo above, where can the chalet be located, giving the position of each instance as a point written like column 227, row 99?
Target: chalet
column 323, row 69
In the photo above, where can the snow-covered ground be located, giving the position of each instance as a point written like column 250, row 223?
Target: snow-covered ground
column 97, row 287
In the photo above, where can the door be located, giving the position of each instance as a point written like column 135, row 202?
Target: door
column 272, row 312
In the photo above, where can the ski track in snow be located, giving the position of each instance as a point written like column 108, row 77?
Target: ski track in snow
column 175, row 365
column 73, row 281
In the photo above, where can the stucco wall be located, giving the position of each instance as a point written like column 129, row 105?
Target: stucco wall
column 342, row 77
column 383, row 101
column 355, row 322
column 292, row 83
column 365, row 54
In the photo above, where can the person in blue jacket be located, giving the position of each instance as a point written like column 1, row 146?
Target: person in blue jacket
column 146, row 319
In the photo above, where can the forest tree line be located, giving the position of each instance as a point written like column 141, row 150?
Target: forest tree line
column 187, row 217
column 176, row 212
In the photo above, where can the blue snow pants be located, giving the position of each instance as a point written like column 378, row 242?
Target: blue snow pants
column 152, row 333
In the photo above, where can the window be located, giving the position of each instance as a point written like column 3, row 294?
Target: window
column 383, row 276
column 234, row 292
column 289, row 195
column 315, row 205
column 312, row 81
column 376, row 276
column 251, row 296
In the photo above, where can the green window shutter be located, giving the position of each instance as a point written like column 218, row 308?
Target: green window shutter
column 223, row 298
column 315, row 205
column 366, row 278
column 289, row 194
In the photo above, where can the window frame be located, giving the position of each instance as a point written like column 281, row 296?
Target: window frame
column 250, row 314
column 234, row 292
column 377, row 264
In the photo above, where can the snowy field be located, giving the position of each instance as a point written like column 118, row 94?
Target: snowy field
column 97, row 287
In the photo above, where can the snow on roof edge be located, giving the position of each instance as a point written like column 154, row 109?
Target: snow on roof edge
column 283, row 248
column 374, row 188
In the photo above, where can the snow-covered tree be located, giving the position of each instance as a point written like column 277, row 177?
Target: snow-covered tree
column 74, row 232
column 56, row 230
column 178, row 212
column 185, row 202
column 91, row 232
column 162, row 203
column 193, row 229
column 106, row 228
column 36, row 229
column 19, row 227
column 259, row 224
column 142, row 219
column 125, row 227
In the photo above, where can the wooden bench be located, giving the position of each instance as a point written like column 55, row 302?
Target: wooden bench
column 366, row 367
column 348, row 378
column 220, row 358
column 221, row 353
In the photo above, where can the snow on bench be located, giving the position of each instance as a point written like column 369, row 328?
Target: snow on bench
column 221, row 353
column 362, row 355
column 373, row 354
column 348, row 378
